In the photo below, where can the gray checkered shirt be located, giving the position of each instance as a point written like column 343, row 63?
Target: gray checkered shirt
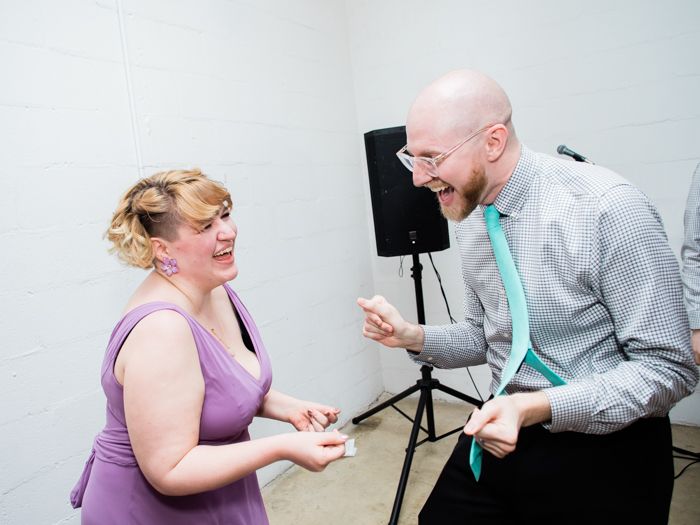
column 690, row 253
column 603, row 291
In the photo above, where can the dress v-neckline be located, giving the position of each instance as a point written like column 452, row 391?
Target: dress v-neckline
column 242, row 324
column 228, row 354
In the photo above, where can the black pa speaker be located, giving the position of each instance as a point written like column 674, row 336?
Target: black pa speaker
column 407, row 219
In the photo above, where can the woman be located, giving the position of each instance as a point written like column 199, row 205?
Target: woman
column 185, row 372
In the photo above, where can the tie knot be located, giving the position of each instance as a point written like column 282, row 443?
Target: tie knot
column 491, row 215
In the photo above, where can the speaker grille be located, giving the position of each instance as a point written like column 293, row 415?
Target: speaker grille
column 407, row 219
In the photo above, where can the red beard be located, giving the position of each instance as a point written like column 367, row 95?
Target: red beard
column 468, row 198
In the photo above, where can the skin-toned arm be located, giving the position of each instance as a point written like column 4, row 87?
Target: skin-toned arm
column 306, row 416
column 163, row 395
column 384, row 323
column 695, row 339
column 499, row 421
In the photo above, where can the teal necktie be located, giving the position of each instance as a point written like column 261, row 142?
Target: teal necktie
column 521, row 347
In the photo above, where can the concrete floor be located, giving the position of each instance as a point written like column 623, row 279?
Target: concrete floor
column 361, row 489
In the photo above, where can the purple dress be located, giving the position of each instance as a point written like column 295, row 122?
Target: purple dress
column 112, row 489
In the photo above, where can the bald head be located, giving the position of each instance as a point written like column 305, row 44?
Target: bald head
column 459, row 103
column 452, row 109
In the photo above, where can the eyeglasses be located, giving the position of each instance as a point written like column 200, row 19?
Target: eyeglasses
column 429, row 165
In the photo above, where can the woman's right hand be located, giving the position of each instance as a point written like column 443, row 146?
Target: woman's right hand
column 315, row 450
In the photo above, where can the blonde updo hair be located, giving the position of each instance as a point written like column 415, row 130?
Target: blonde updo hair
column 157, row 207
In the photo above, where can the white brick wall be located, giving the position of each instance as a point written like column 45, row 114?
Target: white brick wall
column 272, row 97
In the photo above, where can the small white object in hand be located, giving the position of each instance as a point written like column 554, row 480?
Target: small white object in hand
column 350, row 449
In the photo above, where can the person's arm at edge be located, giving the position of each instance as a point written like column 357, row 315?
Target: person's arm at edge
column 690, row 254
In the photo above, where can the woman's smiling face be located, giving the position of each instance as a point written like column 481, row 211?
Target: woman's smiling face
column 206, row 255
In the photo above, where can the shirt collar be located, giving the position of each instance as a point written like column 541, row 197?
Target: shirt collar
column 511, row 198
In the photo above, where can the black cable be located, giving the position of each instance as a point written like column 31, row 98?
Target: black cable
column 430, row 256
column 693, row 461
column 452, row 321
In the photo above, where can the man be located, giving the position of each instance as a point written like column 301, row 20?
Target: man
column 604, row 303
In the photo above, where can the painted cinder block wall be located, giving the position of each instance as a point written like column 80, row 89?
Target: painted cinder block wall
column 616, row 81
column 258, row 95
column 272, row 97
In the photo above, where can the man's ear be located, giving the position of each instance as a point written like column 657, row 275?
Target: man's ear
column 496, row 142
column 160, row 248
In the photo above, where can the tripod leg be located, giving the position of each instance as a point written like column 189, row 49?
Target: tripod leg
column 424, row 395
column 459, row 395
column 387, row 403
column 431, row 417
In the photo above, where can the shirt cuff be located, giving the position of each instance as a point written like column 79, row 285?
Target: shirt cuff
column 572, row 406
column 434, row 343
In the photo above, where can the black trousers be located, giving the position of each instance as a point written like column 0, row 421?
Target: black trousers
column 563, row 478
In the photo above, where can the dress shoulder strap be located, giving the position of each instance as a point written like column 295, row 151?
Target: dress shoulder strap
column 131, row 319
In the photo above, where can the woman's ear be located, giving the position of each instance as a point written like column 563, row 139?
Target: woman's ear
column 160, row 248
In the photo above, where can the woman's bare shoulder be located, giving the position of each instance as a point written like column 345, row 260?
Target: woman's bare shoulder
column 160, row 343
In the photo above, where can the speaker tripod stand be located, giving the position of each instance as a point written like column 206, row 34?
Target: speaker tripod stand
column 425, row 385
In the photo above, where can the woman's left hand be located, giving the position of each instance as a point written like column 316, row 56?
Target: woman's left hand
column 307, row 416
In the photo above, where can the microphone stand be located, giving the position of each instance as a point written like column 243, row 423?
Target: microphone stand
column 426, row 385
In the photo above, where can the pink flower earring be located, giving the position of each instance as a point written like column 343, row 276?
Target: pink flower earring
column 169, row 266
